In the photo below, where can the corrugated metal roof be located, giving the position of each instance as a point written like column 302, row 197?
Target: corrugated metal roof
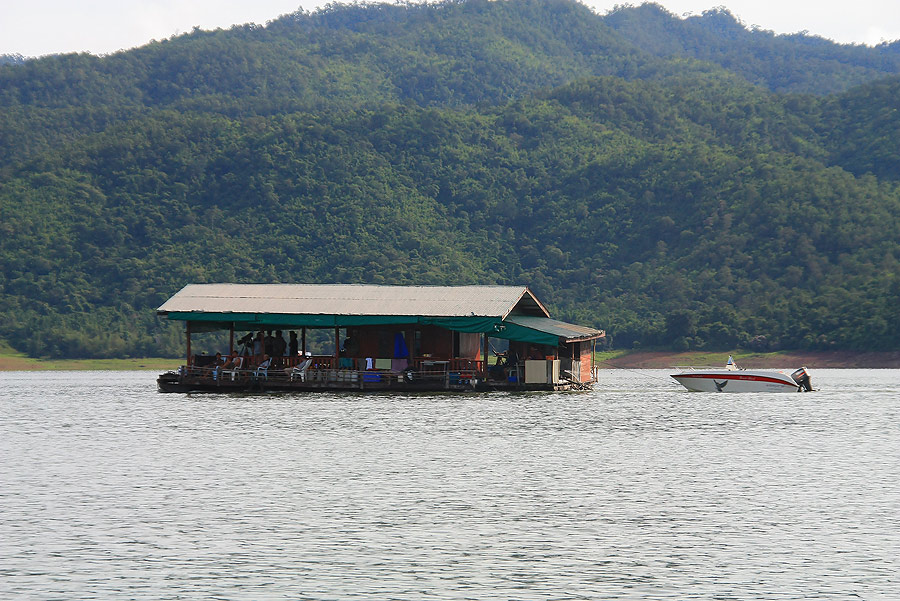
column 557, row 328
column 353, row 299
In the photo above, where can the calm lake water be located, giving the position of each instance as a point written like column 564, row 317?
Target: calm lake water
column 637, row 490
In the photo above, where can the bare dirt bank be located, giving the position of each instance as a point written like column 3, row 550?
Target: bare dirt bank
column 781, row 360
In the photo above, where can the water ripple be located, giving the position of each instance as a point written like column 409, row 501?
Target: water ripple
column 637, row 490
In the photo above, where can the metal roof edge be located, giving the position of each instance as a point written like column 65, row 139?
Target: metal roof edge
column 573, row 335
column 527, row 290
column 539, row 303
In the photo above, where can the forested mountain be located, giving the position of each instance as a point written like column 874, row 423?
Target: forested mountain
column 628, row 167
column 782, row 63
column 11, row 59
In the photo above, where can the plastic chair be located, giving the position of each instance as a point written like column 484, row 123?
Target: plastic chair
column 263, row 370
column 299, row 371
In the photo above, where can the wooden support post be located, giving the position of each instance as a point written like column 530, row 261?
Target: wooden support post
column 187, row 330
column 231, row 339
column 303, row 341
column 484, row 356
column 337, row 347
column 576, row 346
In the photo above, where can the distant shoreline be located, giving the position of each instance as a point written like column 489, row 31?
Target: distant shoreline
column 777, row 360
column 18, row 362
column 11, row 361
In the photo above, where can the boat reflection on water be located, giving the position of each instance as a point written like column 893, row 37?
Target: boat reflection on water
column 731, row 378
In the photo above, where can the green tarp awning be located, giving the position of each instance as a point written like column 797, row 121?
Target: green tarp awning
column 528, row 329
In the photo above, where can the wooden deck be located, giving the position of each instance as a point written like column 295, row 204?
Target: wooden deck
column 434, row 376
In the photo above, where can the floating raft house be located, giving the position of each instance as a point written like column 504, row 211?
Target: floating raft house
column 402, row 338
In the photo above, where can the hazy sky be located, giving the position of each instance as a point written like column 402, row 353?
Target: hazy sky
column 38, row 27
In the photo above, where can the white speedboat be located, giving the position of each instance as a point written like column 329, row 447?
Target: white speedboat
column 734, row 379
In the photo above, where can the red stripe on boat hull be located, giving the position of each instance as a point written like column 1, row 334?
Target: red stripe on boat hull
column 738, row 377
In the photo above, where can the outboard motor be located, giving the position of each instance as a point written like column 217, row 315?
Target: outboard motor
column 801, row 377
